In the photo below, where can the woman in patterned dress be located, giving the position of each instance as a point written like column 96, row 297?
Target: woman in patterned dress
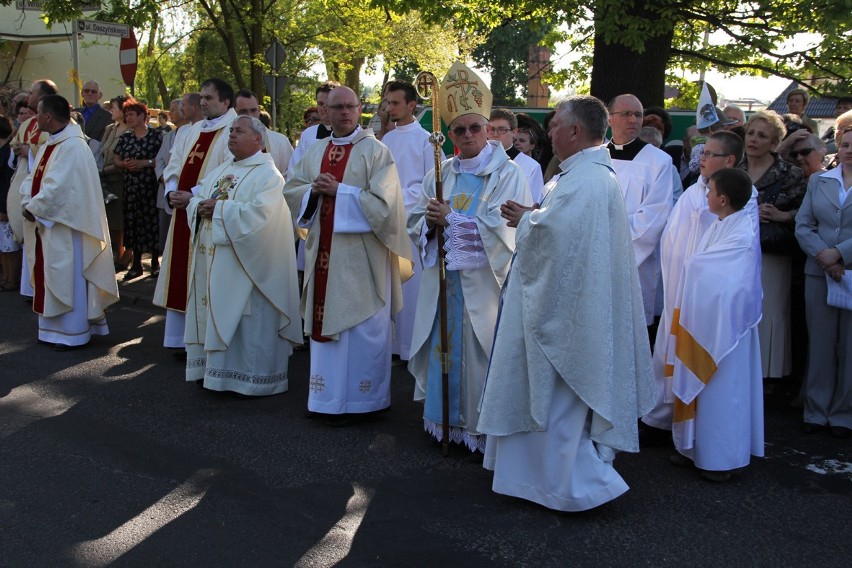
column 135, row 154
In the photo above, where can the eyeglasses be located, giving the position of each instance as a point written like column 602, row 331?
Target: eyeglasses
column 709, row 155
column 628, row 114
column 343, row 107
column 804, row 152
column 501, row 130
column 473, row 128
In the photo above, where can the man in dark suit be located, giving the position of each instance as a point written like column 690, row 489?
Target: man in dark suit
column 96, row 117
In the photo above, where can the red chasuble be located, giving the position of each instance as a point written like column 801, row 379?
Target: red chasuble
column 177, row 291
column 38, row 267
column 333, row 162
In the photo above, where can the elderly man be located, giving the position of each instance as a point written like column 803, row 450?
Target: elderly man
column 415, row 157
column 647, row 179
column 571, row 370
column 503, row 127
column 241, row 332
column 274, row 143
column 204, row 147
column 346, row 192
column 95, row 117
column 66, row 235
column 479, row 249
column 689, row 221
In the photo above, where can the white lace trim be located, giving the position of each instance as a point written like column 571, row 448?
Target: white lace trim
column 458, row 435
column 463, row 243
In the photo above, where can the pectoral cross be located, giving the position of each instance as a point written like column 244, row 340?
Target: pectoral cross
column 196, row 153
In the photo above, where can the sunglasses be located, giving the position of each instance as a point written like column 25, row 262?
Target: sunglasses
column 804, row 152
column 473, row 128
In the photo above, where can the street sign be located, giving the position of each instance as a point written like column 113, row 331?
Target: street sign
column 275, row 85
column 103, row 28
column 275, row 55
column 127, row 58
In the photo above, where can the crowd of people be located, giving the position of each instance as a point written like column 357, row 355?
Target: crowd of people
column 558, row 296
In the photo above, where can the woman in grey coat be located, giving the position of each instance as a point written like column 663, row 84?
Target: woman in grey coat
column 824, row 231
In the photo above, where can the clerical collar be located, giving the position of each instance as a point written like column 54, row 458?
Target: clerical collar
column 342, row 140
column 566, row 163
column 476, row 164
column 625, row 151
column 323, row 131
column 210, row 122
column 512, row 152
column 53, row 135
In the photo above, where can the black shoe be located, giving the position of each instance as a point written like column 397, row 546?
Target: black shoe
column 338, row 420
column 180, row 355
column 811, row 428
column 62, row 347
column 681, row 460
column 716, row 476
column 131, row 274
column 841, row 432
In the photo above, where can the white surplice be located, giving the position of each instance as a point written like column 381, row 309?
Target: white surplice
column 717, row 351
column 688, row 223
column 415, row 157
column 647, row 185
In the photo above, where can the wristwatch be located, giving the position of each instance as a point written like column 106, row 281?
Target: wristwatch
column 150, row 162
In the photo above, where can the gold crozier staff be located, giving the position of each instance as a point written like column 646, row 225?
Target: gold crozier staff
column 427, row 88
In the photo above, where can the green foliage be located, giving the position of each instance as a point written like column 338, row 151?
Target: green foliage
column 505, row 52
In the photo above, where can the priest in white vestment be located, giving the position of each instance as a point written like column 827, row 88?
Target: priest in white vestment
column 193, row 156
column 240, row 333
column 478, row 246
column 717, row 382
column 28, row 141
column 346, row 193
column 647, row 180
column 570, row 372
column 66, row 236
column 689, row 221
column 274, row 143
column 414, row 155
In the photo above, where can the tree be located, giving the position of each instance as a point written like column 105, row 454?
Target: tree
column 505, row 53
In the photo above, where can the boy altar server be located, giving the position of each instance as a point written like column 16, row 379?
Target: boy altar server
column 718, row 410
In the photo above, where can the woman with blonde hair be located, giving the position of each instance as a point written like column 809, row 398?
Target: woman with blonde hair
column 780, row 186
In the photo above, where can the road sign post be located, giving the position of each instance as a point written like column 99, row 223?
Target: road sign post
column 274, row 84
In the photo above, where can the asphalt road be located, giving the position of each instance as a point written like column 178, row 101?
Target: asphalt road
column 107, row 457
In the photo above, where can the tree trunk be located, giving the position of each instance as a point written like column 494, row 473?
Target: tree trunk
column 256, row 49
column 352, row 78
column 617, row 70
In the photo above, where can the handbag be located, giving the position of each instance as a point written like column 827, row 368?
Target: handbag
column 775, row 237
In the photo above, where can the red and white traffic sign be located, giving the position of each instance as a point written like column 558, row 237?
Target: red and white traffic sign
column 127, row 58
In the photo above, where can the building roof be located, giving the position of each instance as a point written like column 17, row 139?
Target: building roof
column 818, row 107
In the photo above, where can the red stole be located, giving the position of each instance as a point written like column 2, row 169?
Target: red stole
column 333, row 162
column 177, row 291
column 38, row 267
column 32, row 133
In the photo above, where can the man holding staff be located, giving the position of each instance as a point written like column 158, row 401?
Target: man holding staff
column 479, row 249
